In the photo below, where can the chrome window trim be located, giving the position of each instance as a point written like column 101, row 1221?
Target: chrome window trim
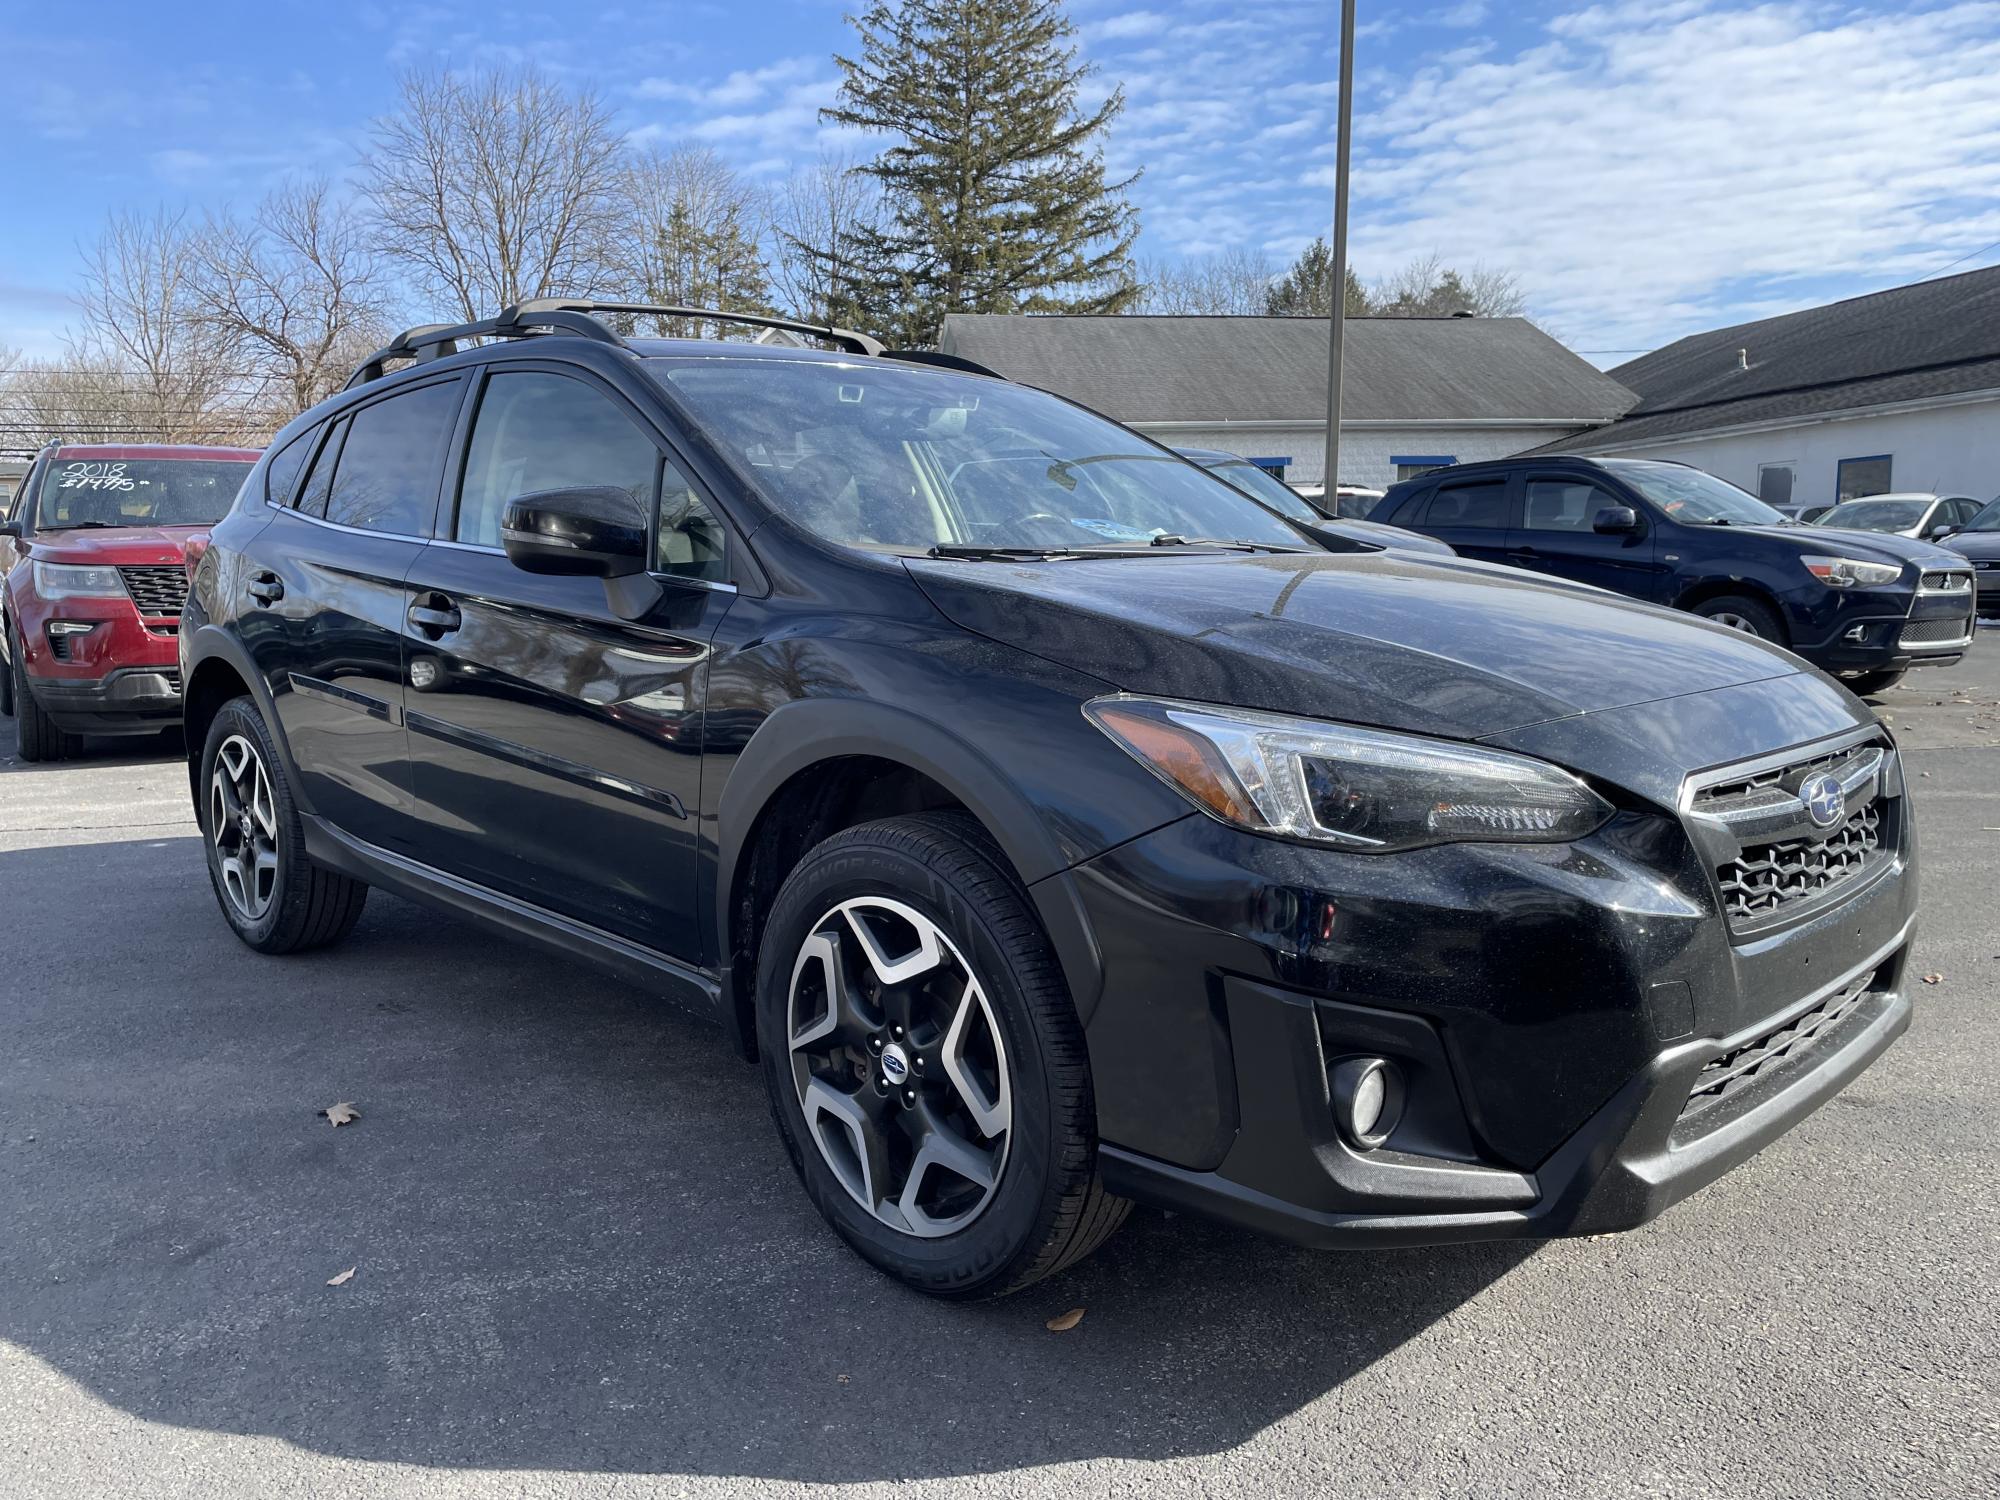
column 298, row 515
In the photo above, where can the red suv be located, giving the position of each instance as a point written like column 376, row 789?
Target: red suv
column 94, row 557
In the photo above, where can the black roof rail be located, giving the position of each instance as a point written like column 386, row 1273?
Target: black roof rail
column 846, row 338
column 942, row 360
column 541, row 315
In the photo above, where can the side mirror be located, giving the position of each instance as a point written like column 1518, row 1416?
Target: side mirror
column 1942, row 530
column 10, row 528
column 1615, row 520
column 595, row 531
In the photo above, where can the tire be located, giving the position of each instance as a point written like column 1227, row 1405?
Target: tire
column 38, row 737
column 1870, row 683
column 990, row 1050
column 1740, row 612
column 7, row 677
column 273, row 897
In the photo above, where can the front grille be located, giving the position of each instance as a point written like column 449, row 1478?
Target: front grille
column 1935, row 632
column 1764, row 1055
column 158, row 589
column 1720, row 796
column 1771, row 877
column 1948, row 582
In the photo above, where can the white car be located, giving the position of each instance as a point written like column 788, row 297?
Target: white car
column 1921, row 515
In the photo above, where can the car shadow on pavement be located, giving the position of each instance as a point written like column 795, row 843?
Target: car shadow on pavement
column 576, row 1242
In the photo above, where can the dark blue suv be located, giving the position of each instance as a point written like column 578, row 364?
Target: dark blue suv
column 1862, row 605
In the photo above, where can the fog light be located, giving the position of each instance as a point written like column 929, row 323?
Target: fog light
column 1367, row 1099
column 1858, row 633
column 70, row 627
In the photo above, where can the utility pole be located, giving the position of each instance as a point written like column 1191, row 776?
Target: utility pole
column 1337, row 325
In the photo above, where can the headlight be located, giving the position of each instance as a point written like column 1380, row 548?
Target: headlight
column 1850, row 572
column 1362, row 789
column 71, row 581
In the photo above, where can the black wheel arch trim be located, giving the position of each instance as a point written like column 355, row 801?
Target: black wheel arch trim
column 214, row 643
column 807, row 731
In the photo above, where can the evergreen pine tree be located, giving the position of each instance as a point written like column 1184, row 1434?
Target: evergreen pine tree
column 1306, row 289
column 994, row 191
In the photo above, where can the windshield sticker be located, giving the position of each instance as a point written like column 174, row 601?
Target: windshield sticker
column 94, row 476
column 1117, row 531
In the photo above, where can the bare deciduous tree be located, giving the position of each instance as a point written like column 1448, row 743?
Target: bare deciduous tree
column 139, row 299
column 295, row 290
column 690, row 238
column 820, row 218
column 1229, row 283
column 1428, row 288
column 494, row 187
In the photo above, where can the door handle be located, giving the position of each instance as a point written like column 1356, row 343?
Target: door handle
column 1522, row 552
column 435, row 615
column 266, row 588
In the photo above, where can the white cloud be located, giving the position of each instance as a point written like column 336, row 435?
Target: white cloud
column 1464, row 14
column 1650, row 168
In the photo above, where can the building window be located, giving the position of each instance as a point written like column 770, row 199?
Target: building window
column 1409, row 467
column 1774, row 484
column 1863, row 476
column 1275, row 467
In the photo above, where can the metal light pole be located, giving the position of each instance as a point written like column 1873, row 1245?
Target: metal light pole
column 1337, row 324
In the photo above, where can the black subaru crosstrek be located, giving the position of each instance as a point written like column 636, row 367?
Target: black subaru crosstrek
column 1862, row 605
column 1054, row 823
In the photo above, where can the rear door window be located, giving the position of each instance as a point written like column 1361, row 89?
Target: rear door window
column 1478, row 503
column 287, row 466
column 386, row 477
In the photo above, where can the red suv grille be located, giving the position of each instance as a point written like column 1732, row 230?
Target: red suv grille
column 158, row 590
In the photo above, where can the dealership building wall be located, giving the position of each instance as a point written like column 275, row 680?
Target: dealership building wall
column 1371, row 453
column 1948, row 446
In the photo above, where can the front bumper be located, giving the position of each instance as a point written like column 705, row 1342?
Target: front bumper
column 130, row 700
column 1854, row 631
column 1551, row 1010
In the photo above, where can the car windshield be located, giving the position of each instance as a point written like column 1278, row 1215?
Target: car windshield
column 880, row 455
column 138, row 492
column 1988, row 518
column 1694, row 498
column 1262, row 485
column 1876, row 515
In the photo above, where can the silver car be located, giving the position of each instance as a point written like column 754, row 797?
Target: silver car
column 1921, row 515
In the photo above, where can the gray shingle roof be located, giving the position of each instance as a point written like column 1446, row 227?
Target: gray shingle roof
column 1934, row 338
column 1203, row 369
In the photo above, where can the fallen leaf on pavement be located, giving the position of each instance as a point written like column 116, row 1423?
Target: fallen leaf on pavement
column 341, row 1114
column 343, row 1278
column 1066, row 1321
column 1934, row 979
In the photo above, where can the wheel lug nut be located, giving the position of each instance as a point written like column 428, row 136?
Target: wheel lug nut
column 920, row 1065
column 896, row 1030
column 909, row 1096
column 874, row 1044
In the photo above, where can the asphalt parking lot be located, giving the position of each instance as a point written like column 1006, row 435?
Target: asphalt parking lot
column 582, row 1265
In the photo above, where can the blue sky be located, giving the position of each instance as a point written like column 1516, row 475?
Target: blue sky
column 1647, row 168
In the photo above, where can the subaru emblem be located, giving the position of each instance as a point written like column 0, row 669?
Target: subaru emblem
column 1826, row 803
column 895, row 1066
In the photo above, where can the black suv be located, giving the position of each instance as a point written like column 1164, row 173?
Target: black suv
column 1054, row 823
column 1862, row 605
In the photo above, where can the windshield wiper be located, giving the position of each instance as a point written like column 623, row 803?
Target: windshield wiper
column 1169, row 539
column 82, row 526
column 976, row 550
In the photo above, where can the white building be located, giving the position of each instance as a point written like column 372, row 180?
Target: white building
column 1899, row 390
column 1419, row 392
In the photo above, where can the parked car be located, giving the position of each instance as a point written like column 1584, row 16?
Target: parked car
column 93, row 552
column 1926, row 516
column 1047, row 863
column 1804, row 514
column 1350, row 502
column 1979, row 542
column 1865, row 607
column 1279, row 498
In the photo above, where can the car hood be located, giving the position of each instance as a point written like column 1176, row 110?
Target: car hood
column 119, row 546
column 1863, row 546
column 1374, row 534
column 1980, row 544
column 1394, row 639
